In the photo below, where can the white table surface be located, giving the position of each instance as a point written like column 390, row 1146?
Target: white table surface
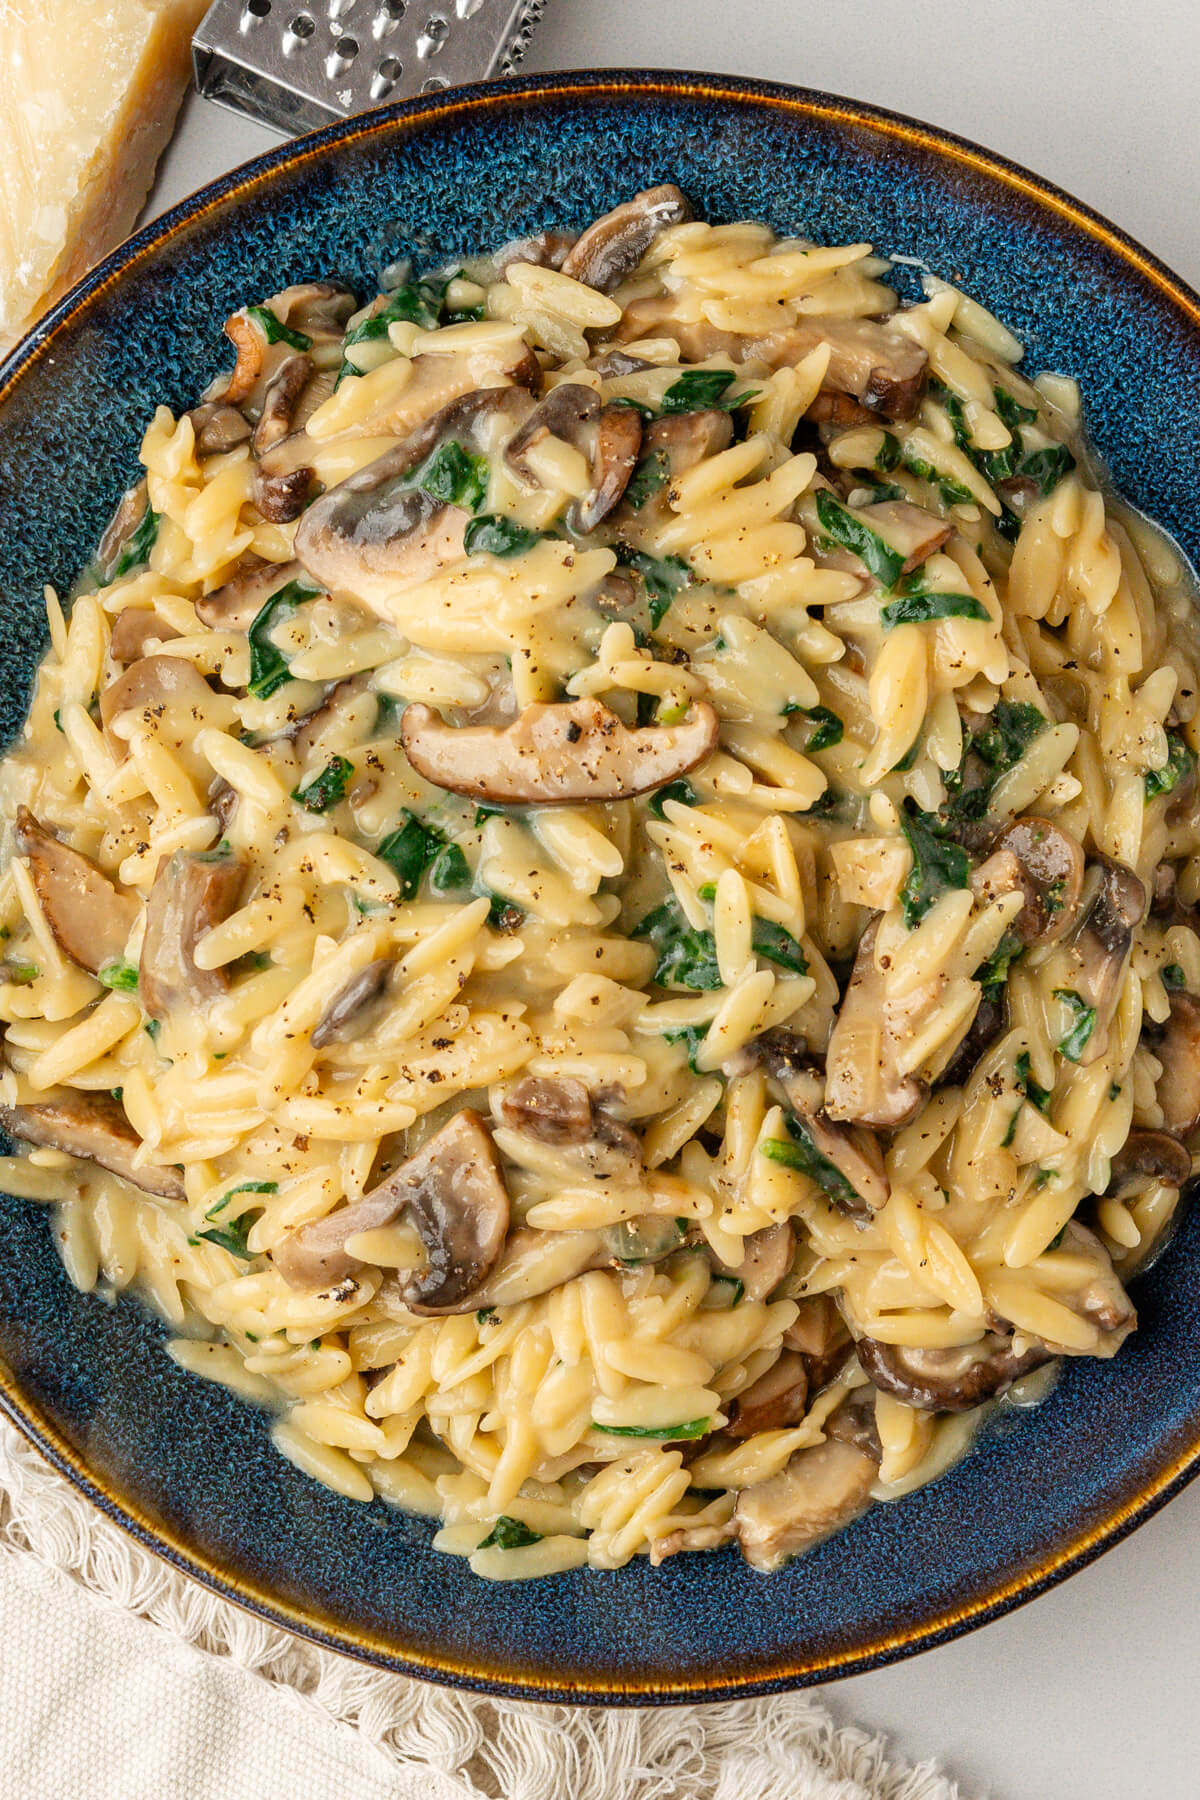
column 1091, row 1692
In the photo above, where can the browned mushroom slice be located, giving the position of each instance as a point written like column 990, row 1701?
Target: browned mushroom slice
column 282, row 396
column 121, row 527
column 1047, row 864
column 451, row 1191
column 839, row 410
column 190, row 895
column 854, row 1423
column 609, row 436
column 556, row 754
column 768, row 1257
column 952, row 1380
column 90, row 918
column 819, row 1333
column 1178, row 1050
column 284, row 479
column 873, row 363
column 909, row 530
column 863, row 1085
column 1149, row 1155
column 555, row 1111
column 437, row 382
column 1114, row 907
column 852, row 1151
column 135, row 631
column 235, row 605
column 819, row 1492
column 347, row 1012
column 149, row 685
column 613, row 247
column 1099, row 1296
column 251, row 345
column 319, row 309
column 692, row 1537
column 218, row 427
column 612, row 363
column 676, row 444
column 777, row 1399
column 95, row 1129
column 545, row 250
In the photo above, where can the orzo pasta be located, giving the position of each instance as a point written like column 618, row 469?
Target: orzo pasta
column 601, row 890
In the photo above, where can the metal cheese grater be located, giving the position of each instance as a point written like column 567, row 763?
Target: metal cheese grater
column 297, row 64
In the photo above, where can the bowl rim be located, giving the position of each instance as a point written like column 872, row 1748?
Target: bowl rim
column 1123, row 1515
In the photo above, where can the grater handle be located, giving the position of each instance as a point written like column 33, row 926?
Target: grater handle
column 299, row 64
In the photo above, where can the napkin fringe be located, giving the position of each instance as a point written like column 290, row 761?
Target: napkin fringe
column 740, row 1750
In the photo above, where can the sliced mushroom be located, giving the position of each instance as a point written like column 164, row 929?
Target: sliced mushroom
column 767, row 1259
column 1099, row 1297
column 282, row 396
column 612, row 363
column 347, row 1013
column 985, row 1028
column 819, row 1333
column 1047, row 864
column 948, row 1380
column 854, row 1423
column 135, row 631
column 222, row 802
column 681, row 440
column 251, row 345
column 692, row 1537
column 190, row 895
column 839, row 411
column 553, row 1110
column 284, row 480
column 646, row 1239
column 319, row 309
column 882, row 368
column 437, row 382
column 148, row 686
column 95, row 1129
column 1113, row 903
column 235, row 605
column 819, row 1492
column 909, row 530
column 1178, row 1050
column 218, row 428
column 776, row 1400
column 375, row 531
column 613, row 247
column 853, row 1152
column 545, row 250
column 89, row 916
column 556, row 754
column 122, row 525
column 1153, row 1155
column 610, row 437
column 863, row 1085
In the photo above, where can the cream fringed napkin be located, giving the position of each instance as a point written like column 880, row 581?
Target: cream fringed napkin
column 122, row 1680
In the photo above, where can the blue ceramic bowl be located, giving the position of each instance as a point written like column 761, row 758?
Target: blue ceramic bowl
column 184, row 1466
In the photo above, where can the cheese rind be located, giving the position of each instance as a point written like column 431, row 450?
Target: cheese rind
column 88, row 96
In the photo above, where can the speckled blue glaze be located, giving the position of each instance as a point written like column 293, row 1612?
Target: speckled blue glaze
column 181, row 1463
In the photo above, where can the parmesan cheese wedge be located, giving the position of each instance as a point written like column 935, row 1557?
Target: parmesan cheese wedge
column 89, row 90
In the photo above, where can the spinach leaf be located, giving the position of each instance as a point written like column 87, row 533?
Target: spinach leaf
column 802, row 1154
column 121, row 976
column 695, row 1428
column 992, row 974
column 953, row 493
column 829, row 728
column 852, row 534
column 686, row 958
column 1010, row 412
column 1047, row 467
column 681, row 790
column 651, row 474
column 692, row 1036
column 409, row 850
column 19, row 974
column 1033, row 1091
column 662, row 577
column 510, row 1534
column 448, row 871
column 1181, row 760
column 1073, row 1045
column 268, row 665
column 938, row 864
column 887, row 457
column 243, row 1187
column 275, row 331
column 327, row 788
column 232, row 1237
column 454, row 476
column 137, row 547
column 1014, row 726
column 498, row 536
column 920, row 606
column 697, row 389
column 418, row 303
column 778, row 946
column 1173, row 977
column 504, row 914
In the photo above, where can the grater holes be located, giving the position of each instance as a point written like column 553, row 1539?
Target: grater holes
column 253, row 10
column 386, row 75
column 340, row 57
column 434, row 84
column 433, row 36
column 300, row 28
column 338, row 9
column 388, row 14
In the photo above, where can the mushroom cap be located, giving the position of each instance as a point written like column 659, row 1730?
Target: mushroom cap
column 1178, row 1050
column 134, row 633
column 236, row 604
column 947, row 1380
column 882, row 368
column 612, row 247
column 819, row 1492
column 1047, row 864
column 776, row 1400
column 556, row 754
column 147, row 686
column 94, row 1128
column 610, row 436
column 1154, row 1153
column 88, row 915
column 343, row 1017
column 454, row 1194
column 190, row 895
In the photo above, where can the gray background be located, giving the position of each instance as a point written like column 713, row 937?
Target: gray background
column 1091, row 1692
